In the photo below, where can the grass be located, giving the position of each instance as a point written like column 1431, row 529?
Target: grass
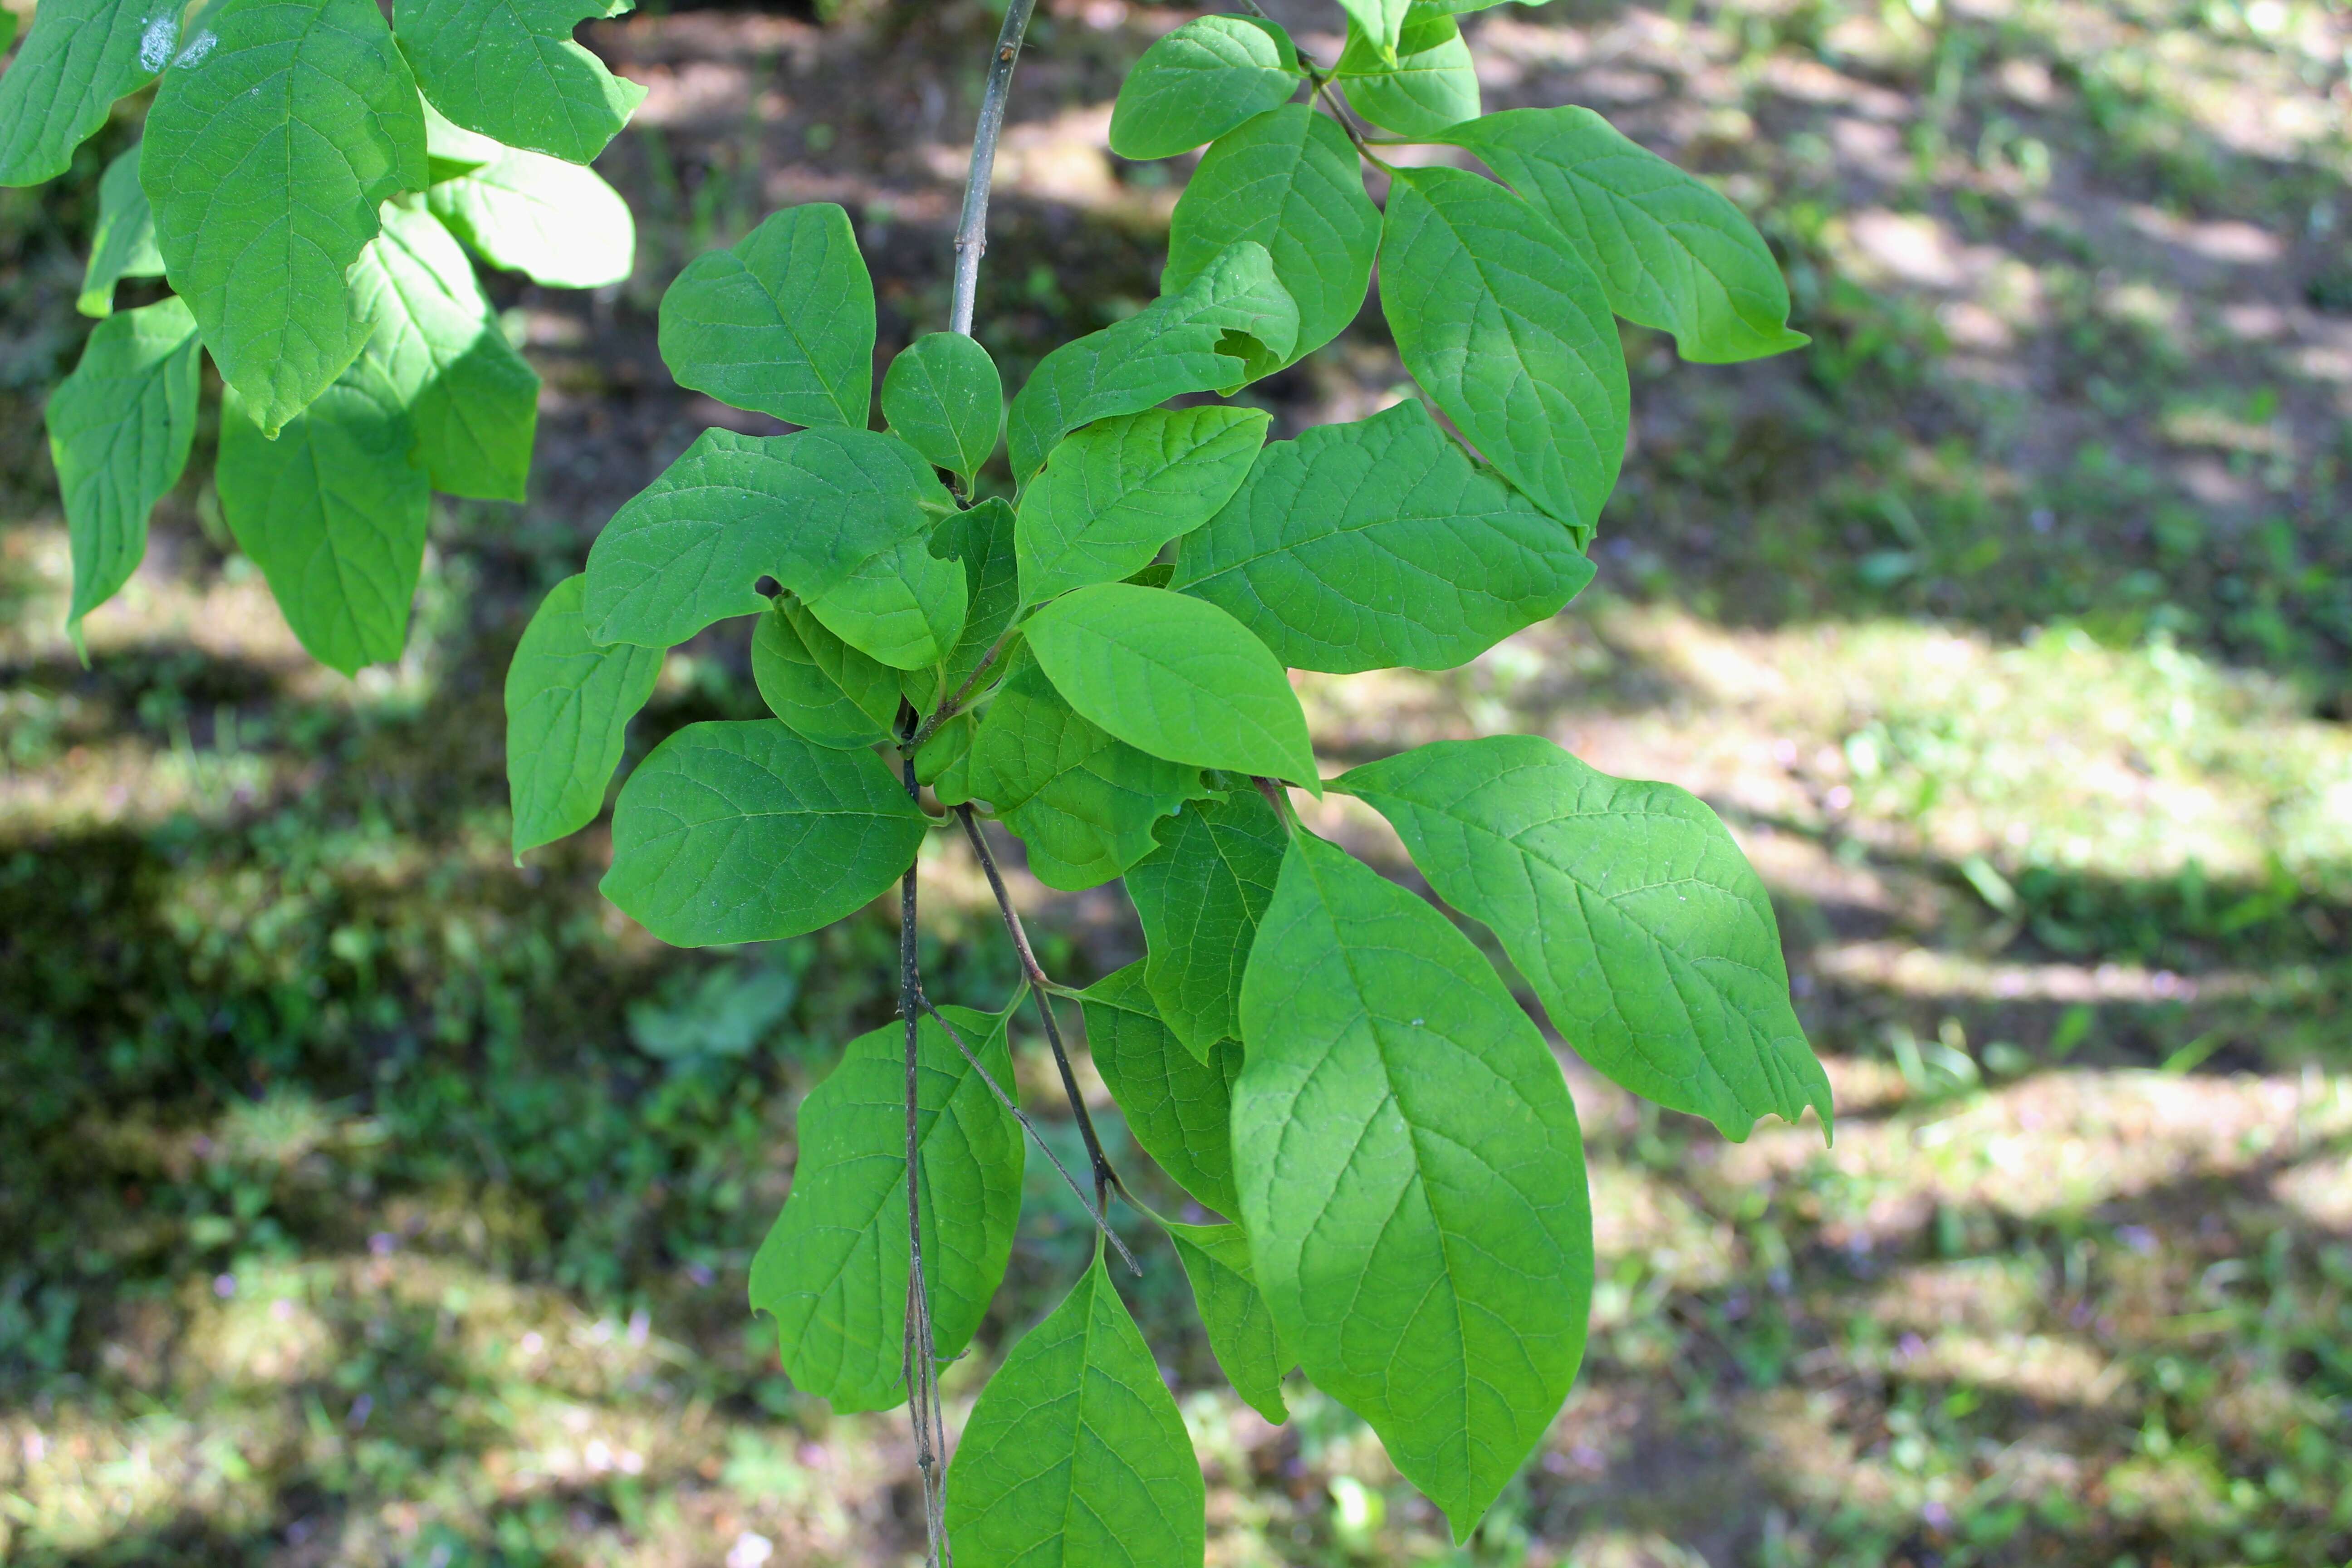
column 365, row 1199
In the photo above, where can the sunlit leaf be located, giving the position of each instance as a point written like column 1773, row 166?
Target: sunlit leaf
column 123, row 243
column 903, row 606
column 80, row 56
column 1113, row 493
column 943, row 397
column 510, row 69
column 781, row 322
column 556, row 222
column 1197, row 82
column 569, row 703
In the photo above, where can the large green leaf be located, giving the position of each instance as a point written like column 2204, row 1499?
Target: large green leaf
column 509, row 68
column 981, row 538
column 1377, row 544
column 1629, row 909
column 1177, row 1106
column 1075, row 1454
column 1176, row 677
column 473, row 400
column 569, row 703
column 822, row 689
column 123, row 243
column 1508, row 331
column 557, row 221
column 904, row 605
column 807, row 509
column 1430, row 87
column 1083, row 803
column 1673, row 251
column 80, row 56
column 742, row 831
column 1411, row 1177
column 334, row 513
column 1113, row 493
column 277, row 132
column 833, row 1269
column 1241, row 1331
column 1201, row 896
column 943, row 397
column 1288, row 181
column 782, row 321
column 1194, row 84
column 118, row 432
column 1233, row 322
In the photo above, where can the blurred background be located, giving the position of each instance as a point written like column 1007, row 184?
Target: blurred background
column 365, row 1199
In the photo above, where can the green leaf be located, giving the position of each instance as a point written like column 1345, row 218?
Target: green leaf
column 80, row 56
column 943, row 397
column 334, row 513
column 1113, row 493
column 123, row 244
column 1380, row 21
column 1411, row 1177
column 1176, row 677
column 1673, row 251
column 781, row 322
column 118, row 432
column 822, row 689
column 1241, row 1331
column 904, row 605
column 1076, row 1454
column 1194, row 84
column 943, row 759
column 1377, row 544
column 509, row 68
column 833, row 1269
column 277, row 133
column 981, row 537
column 556, row 222
column 742, row 831
column 569, row 703
column 1082, row 802
column 1232, row 323
column 1427, row 90
column 1201, row 896
column 807, row 509
column 1465, row 7
column 1508, row 330
column 1642, row 927
column 1178, row 1106
column 473, row 400
column 1288, row 181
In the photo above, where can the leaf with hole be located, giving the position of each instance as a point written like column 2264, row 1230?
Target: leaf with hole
column 569, row 703
column 510, row 69
column 557, row 223
column 1114, row 492
column 1177, row 1104
column 80, row 56
column 1641, row 926
column 1197, row 82
column 742, row 831
column 1201, row 896
column 782, row 321
column 123, row 243
column 1241, row 1331
column 943, row 397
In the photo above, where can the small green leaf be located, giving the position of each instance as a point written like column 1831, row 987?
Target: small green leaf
column 833, row 1270
column 277, row 132
column 982, row 537
column 1411, row 1177
column 822, row 689
column 1644, row 930
column 943, row 397
column 334, row 513
column 1082, row 802
column 1382, row 22
column 1201, row 896
column 7, row 30
column 1232, row 323
column 1465, row 7
column 123, row 243
column 569, row 703
column 556, row 222
column 1113, row 493
column 118, row 432
column 1507, row 329
column 1176, row 677
column 1431, row 86
column 742, row 831
column 1288, row 181
column 903, row 606
column 510, row 69
column 473, row 400
column 1377, row 544
column 807, row 509
column 1177, row 1105
column 80, row 56
column 782, row 321
column 1673, row 251
column 1241, row 1331
column 1194, row 84
column 942, row 759
column 1076, row 1454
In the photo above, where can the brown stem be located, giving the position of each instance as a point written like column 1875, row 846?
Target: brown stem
column 920, row 1345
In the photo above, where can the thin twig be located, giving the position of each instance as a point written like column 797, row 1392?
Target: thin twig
column 948, row 709
column 1044, row 1148
column 920, row 1345
column 971, row 233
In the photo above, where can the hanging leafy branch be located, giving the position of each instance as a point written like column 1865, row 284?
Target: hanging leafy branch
column 307, row 184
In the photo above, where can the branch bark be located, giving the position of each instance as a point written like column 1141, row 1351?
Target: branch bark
column 921, row 1346
column 972, row 232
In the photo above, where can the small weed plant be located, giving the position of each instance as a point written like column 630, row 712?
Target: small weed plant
column 1084, row 647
